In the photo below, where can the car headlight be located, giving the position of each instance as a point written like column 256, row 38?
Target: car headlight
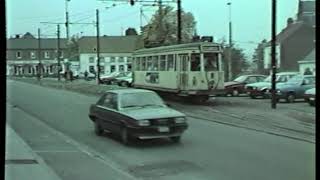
column 180, row 120
column 143, row 122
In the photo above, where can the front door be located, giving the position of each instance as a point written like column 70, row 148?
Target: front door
column 183, row 71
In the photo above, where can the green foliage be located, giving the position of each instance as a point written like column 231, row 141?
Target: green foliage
column 162, row 30
column 72, row 50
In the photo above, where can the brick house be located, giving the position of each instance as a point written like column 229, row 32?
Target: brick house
column 23, row 55
column 295, row 41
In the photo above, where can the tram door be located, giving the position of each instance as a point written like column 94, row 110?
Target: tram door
column 183, row 70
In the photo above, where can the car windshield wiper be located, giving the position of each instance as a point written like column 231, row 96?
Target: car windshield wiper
column 131, row 106
column 152, row 105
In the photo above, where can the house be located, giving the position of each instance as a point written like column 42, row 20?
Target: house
column 308, row 62
column 24, row 55
column 115, row 53
column 295, row 41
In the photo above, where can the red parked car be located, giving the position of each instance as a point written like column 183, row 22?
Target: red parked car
column 237, row 86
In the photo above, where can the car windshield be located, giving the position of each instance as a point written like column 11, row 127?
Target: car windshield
column 140, row 99
column 240, row 79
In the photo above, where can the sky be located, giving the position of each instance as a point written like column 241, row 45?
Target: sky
column 251, row 19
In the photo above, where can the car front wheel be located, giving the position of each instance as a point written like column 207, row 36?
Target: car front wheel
column 290, row 98
column 176, row 139
column 97, row 128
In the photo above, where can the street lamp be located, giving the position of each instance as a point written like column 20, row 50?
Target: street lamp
column 230, row 44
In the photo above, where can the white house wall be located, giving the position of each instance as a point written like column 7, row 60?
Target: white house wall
column 85, row 61
column 307, row 64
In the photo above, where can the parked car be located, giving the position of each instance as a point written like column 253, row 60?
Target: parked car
column 310, row 96
column 107, row 79
column 255, row 90
column 295, row 88
column 90, row 76
column 236, row 87
column 125, row 81
column 136, row 113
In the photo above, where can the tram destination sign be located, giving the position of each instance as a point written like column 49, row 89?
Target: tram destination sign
column 210, row 48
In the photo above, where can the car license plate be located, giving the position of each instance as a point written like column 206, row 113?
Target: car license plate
column 163, row 129
column 312, row 99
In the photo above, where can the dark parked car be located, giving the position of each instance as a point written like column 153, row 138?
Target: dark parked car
column 236, row 87
column 310, row 96
column 136, row 113
column 260, row 88
column 295, row 88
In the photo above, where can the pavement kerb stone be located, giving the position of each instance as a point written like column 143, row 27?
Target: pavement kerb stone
column 75, row 86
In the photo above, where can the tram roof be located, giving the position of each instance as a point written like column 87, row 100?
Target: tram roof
column 185, row 46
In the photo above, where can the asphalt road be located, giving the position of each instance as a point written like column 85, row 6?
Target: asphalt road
column 55, row 124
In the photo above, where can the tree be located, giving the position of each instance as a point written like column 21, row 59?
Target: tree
column 239, row 60
column 258, row 56
column 72, row 49
column 131, row 31
column 162, row 29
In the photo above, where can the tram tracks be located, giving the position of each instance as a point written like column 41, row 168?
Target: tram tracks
column 246, row 120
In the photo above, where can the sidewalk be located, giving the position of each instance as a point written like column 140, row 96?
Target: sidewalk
column 22, row 163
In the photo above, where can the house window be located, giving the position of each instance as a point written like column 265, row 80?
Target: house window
column 121, row 68
column 129, row 59
column 91, row 69
column 33, row 55
column 112, row 68
column 61, row 54
column 112, row 59
column 46, row 54
column 129, row 67
column 121, row 59
column 102, row 60
column 91, row 59
column 18, row 54
column 102, row 69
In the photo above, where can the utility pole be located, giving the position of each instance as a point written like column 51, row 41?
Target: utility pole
column 179, row 20
column 39, row 56
column 67, row 21
column 273, row 56
column 58, row 51
column 230, row 45
column 98, row 48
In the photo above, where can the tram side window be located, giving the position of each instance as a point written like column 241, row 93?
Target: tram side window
column 137, row 63
column 149, row 63
column 210, row 62
column 195, row 62
column 143, row 64
column 170, row 62
column 155, row 63
column 162, row 63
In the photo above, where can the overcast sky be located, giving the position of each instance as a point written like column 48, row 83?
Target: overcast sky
column 251, row 19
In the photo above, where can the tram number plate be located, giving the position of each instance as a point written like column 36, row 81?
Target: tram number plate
column 163, row 129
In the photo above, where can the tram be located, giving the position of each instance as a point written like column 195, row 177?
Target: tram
column 193, row 70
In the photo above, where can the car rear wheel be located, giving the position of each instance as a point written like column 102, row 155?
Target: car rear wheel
column 124, row 84
column 253, row 97
column 97, row 128
column 235, row 92
column 124, row 136
column 290, row 98
column 176, row 139
column 311, row 103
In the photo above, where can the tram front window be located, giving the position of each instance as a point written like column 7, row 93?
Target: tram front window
column 210, row 62
column 195, row 62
